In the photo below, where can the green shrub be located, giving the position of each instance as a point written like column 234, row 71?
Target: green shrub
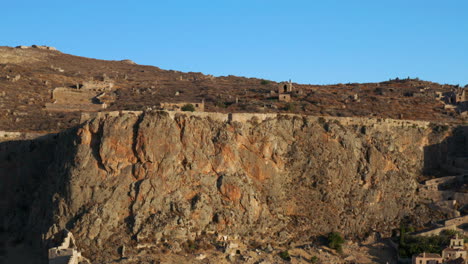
column 402, row 235
column 335, row 241
column 314, row 259
column 264, row 82
column 440, row 128
column 188, row 108
column 285, row 255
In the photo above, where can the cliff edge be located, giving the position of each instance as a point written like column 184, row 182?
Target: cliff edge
column 145, row 178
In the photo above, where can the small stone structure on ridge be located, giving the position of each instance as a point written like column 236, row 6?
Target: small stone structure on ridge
column 87, row 96
column 457, row 99
column 36, row 47
column 65, row 252
column 286, row 91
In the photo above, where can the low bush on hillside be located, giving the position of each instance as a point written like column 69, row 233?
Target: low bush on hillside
column 188, row 108
column 285, row 255
column 439, row 128
column 335, row 241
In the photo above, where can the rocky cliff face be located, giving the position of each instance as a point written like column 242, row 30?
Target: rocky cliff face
column 142, row 179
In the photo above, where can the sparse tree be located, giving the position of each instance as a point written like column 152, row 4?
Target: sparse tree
column 335, row 241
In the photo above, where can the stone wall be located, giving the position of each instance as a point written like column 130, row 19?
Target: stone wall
column 70, row 99
column 252, row 117
column 451, row 224
column 437, row 231
column 75, row 107
column 66, row 252
column 199, row 107
column 65, row 95
column 14, row 135
column 457, row 221
column 435, row 184
column 97, row 85
column 7, row 135
column 284, row 97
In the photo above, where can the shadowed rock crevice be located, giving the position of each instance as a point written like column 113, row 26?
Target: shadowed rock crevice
column 136, row 128
column 96, row 145
column 283, row 179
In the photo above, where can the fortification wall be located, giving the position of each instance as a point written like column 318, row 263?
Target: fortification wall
column 214, row 116
column 70, row 100
column 7, row 135
column 97, row 85
column 436, row 195
column 62, row 107
column 68, row 95
column 199, row 107
column 437, row 231
column 444, row 180
column 259, row 117
column 85, row 116
column 457, row 221
column 451, row 224
column 13, row 135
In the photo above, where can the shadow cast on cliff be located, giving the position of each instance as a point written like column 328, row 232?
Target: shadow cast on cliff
column 439, row 158
column 32, row 173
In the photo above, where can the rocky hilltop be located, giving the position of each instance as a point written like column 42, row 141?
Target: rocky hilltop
column 144, row 179
column 44, row 90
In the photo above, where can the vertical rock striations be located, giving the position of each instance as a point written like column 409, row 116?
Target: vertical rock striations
column 145, row 178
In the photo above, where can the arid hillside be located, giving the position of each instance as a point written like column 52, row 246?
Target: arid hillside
column 29, row 100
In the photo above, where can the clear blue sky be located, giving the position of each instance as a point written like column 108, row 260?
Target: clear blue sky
column 320, row 42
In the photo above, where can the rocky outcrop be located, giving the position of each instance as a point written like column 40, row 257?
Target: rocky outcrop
column 143, row 178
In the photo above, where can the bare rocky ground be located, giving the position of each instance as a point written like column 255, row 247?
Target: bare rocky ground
column 28, row 77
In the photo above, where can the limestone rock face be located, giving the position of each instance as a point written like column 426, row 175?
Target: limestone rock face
column 146, row 178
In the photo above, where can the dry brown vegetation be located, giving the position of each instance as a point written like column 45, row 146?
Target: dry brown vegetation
column 137, row 87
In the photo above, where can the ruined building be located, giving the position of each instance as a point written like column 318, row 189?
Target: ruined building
column 199, row 107
column 65, row 250
column 86, row 96
column 285, row 92
column 461, row 95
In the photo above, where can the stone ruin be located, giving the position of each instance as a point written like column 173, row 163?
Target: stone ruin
column 285, row 92
column 86, row 96
column 36, row 47
column 199, row 107
column 69, row 100
column 457, row 99
column 65, row 250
